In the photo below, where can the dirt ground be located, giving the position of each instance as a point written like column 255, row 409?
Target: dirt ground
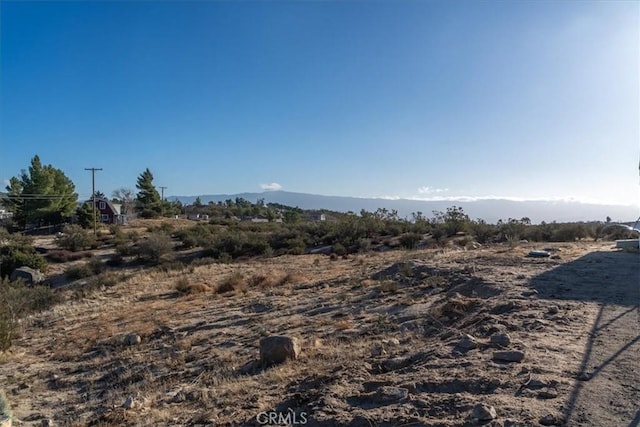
column 402, row 338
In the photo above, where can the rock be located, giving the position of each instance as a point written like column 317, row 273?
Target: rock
column 47, row 422
column 277, row 349
column 179, row 397
column 553, row 309
column 396, row 363
column 378, row 351
column 132, row 339
column 539, row 254
column 508, row 356
column 548, row 393
column 529, row 293
column 550, row 420
column 29, row 275
column 501, row 339
column 466, row 343
column 388, row 394
column 484, row 412
column 391, row 342
column 129, row 403
column 584, row 376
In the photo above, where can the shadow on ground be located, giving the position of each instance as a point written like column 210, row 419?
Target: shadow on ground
column 610, row 361
column 603, row 277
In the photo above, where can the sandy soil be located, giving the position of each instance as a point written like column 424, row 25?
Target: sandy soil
column 385, row 342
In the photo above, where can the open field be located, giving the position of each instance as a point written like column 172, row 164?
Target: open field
column 384, row 343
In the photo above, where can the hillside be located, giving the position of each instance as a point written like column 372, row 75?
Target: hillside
column 407, row 338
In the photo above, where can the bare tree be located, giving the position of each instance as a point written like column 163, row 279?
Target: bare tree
column 126, row 197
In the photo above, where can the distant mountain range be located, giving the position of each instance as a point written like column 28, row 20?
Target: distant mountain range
column 488, row 209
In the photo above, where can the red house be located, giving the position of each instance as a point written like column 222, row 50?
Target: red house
column 108, row 213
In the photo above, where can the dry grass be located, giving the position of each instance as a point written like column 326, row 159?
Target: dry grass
column 234, row 282
column 197, row 344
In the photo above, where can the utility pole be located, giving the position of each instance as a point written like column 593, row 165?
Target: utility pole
column 162, row 199
column 93, row 197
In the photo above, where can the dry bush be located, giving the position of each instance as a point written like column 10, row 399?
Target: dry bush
column 156, row 246
column 65, row 255
column 366, row 283
column 388, row 286
column 236, row 281
column 184, row 287
column 455, row 307
column 78, row 272
column 263, row 280
column 293, row 278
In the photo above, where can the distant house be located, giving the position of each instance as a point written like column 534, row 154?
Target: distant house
column 318, row 217
column 109, row 213
column 198, row 217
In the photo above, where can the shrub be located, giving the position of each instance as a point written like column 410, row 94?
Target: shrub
column 482, row 231
column 79, row 272
column 364, row 245
column 66, row 256
column 5, row 410
column 171, row 266
column 116, row 260
column 339, row 249
column 16, row 301
column 96, row 266
column 12, row 257
column 184, row 287
column 235, row 281
column 154, row 247
column 75, row 238
column 410, row 240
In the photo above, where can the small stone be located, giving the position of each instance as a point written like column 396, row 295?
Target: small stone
column 550, row 420
column 132, row 339
column 179, row 397
column 484, row 412
column 392, row 342
column 553, row 309
column 549, row 393
column 396, row 363
column 129, row 403
column 387, row 394
column 508, row 356
column 501, row 339
column 584, row 376
column 466, row 343
column 378, row 351
column 277, row 349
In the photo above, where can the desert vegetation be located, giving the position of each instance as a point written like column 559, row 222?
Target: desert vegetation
column 427, row 320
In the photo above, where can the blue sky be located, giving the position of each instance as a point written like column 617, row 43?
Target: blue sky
column 417, row 99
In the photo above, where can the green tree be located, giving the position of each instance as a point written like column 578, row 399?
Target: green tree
column 85, row 215
column 41, row 195
column 148, row 197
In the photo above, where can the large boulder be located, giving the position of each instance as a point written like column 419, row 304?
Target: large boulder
column 29, row 275
column 277, row 349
